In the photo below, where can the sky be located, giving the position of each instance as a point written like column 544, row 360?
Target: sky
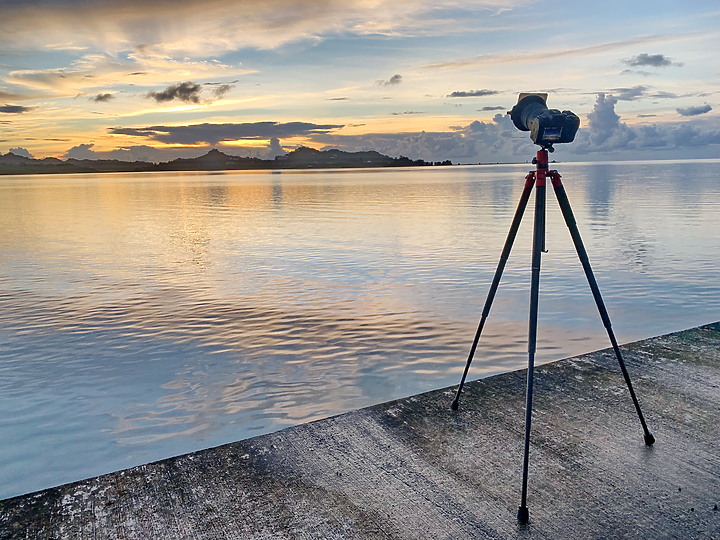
column 427, row 79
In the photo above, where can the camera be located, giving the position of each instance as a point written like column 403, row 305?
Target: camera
column 546, row 126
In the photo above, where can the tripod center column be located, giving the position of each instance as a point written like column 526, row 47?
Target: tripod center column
column 541, row 163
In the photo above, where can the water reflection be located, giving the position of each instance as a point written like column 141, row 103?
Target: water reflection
column 147, row 315
column 600, row 191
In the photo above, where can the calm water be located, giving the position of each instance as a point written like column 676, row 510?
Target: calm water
column 147, row 315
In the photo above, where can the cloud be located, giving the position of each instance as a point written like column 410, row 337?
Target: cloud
column 81, row 151
column 495, row 108
column 274, row 148
column 14, row 109
column 102, row 98
column 133, row 153
column 629, row 94
column 190, row 92
column 216, row 133
column 220, row 90
column 392, row 81
column 477, row 142
column 204, row 29
column 688, row 136
column 15, row 96
column 24, row 152
column 638, row 92
column 605, row 128
column 473, row 93
column 603, row 134
column 86, row 72
column 636, row 72
column 664, row 95
column 652, row 60
column 542, row 55
column 407, row 112
column 157, row 155
column 92, row 72
column 187, row 91
column 694, row 111
column 606, row 131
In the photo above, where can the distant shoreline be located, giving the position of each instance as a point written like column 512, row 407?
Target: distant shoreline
column 302, row 158
column 214, row 160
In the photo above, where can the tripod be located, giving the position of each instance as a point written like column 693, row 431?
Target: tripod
column 537, row 179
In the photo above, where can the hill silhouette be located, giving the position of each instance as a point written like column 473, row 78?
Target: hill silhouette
column 214, row 160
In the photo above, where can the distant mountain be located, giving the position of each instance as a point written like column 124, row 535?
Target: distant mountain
column 301, row 158
column 306, row 158
column 13, row 159
column 110, row 165
column 13, row 164
column 214, row 160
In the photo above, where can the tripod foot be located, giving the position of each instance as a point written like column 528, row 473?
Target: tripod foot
column 649, row 439
column 523, row 514
column 456, row 403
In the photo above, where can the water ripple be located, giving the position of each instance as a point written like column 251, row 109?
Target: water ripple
column 146, row 316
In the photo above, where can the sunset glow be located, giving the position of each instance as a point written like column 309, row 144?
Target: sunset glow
column 430, row 80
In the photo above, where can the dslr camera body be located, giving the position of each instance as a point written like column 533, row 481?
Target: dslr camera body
column 546, row 126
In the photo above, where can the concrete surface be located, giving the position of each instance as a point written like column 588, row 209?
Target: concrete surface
column 412, row 468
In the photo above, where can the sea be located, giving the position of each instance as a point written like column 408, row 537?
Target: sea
column 146, row 315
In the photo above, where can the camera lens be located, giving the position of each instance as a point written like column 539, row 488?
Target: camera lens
column 527, row 108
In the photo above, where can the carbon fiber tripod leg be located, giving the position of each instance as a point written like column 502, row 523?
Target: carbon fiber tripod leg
column 582, row 254
column 512, row 233
column 523, row 514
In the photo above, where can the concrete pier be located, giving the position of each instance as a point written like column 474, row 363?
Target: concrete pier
column 412, row 468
